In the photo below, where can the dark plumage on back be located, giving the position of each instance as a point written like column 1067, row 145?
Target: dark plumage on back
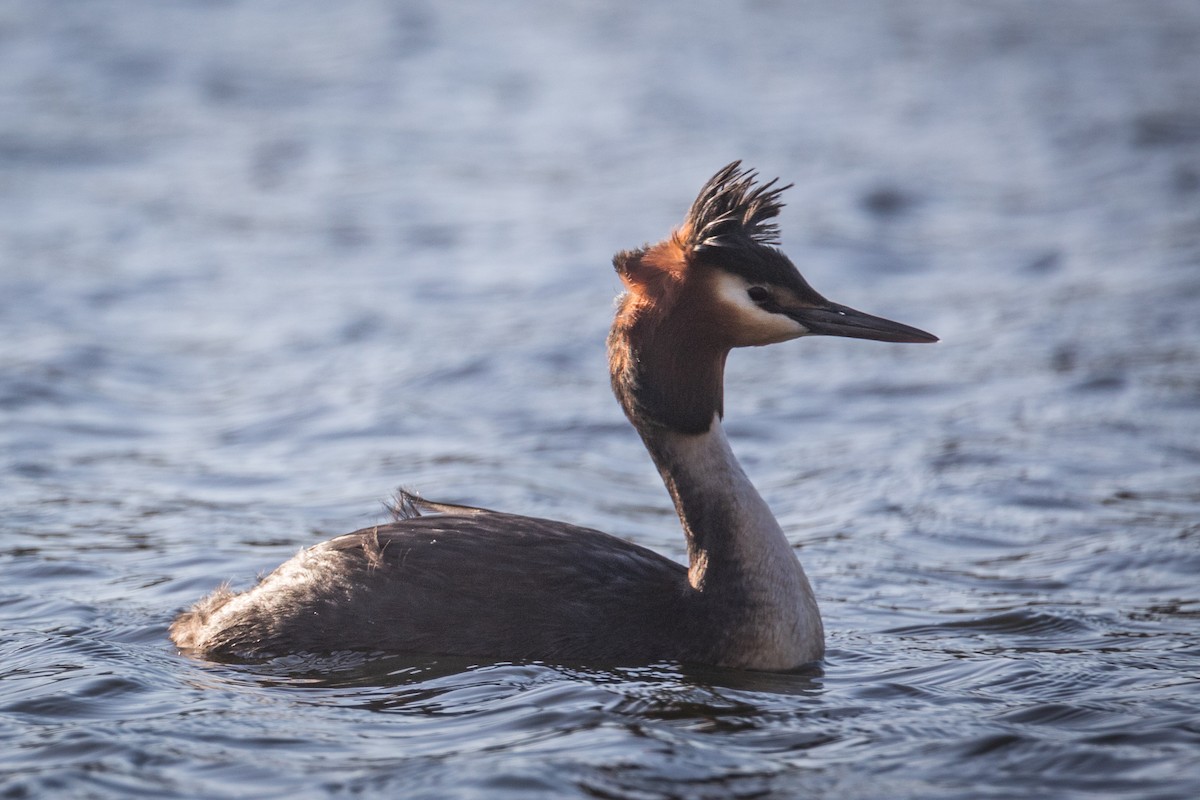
column 466, row 581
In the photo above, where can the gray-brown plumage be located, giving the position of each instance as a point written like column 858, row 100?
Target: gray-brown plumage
column 463, row 581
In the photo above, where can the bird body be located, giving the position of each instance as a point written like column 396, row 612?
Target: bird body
column 465, row 581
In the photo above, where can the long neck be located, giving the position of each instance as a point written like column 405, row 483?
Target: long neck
column 738, row 557
column 740, row 563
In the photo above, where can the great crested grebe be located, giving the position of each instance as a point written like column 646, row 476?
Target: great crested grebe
column 468, row 581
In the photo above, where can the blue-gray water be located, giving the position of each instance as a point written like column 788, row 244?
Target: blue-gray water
column 262, row 262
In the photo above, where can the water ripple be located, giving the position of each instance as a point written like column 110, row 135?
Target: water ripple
column 259, row 268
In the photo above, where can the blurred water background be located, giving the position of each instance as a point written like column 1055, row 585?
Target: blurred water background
column 262, row 262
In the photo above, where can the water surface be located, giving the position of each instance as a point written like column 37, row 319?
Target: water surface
column 261, row 263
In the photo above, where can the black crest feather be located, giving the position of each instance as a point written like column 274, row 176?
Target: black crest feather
column 731, row 208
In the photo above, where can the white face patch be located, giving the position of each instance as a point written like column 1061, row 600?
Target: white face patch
column 751, row 324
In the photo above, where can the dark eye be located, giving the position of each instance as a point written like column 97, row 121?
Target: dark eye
column 758, row 294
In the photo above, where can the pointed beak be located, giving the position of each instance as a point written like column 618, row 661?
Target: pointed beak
column 835, row 320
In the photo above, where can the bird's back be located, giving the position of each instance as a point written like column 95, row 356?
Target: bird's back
column 471, row 582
